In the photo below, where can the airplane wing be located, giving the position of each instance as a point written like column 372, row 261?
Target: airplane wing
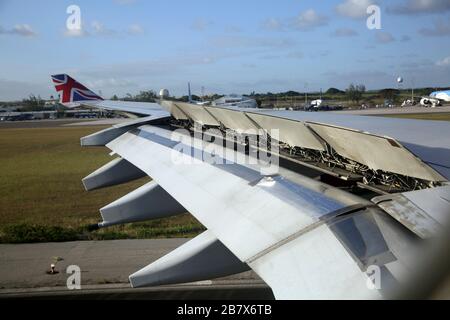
column 320, row 206
column 139, row 109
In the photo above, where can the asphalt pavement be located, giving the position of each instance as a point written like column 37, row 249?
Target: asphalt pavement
column 105, row 267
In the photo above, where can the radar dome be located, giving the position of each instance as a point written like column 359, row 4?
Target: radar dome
column 164, row 93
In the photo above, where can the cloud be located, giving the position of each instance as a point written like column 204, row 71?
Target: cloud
column 76, row 33
column 22, row 30
column 273, row 24
column 384, row 37
column 309, row 20
column 420, row 7
column 98, row 28
column 344, row 32
column 305, row 21
column 441, row 29
column 355, row 9
column 444, row 62
column 135, row 29
column 201, row 24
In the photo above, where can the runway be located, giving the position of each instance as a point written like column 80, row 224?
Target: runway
column 60, row 123
column 105, row 266
column 392, row 111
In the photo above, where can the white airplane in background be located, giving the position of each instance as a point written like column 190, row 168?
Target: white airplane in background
column 430, row 102
column 230, row 101
column 436, row 98
column 441, row 95
column 352, row 196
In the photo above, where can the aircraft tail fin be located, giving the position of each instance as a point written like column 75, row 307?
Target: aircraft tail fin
column 71, row 91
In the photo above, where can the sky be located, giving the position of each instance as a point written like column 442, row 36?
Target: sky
column 125, row 46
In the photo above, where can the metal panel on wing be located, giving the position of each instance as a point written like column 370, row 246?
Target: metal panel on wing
column 115, row 172
column 145, row 203
column 233, row 119
column 376, row 152
column 198, row 114
column 201, row 258
column 174, row 110
column 294, row 133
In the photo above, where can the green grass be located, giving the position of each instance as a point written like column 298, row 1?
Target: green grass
column 42, row 197
column 444, row 116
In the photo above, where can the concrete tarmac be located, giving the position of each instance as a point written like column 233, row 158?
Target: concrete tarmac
column 396, row 110
column 105, row 267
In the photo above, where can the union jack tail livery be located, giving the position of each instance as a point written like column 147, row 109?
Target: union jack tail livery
column 71, row 91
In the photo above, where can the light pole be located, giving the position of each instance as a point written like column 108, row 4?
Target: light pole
column 306, row 95
column 400, row 82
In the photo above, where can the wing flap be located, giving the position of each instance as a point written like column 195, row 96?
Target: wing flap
column 145, row 203
column 376, row 152
column 232, row 119
column 202, row 258
column 115, row 172
column 198, row 114
column 294, row 133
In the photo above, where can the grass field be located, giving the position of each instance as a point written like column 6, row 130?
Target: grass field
column 42, row 197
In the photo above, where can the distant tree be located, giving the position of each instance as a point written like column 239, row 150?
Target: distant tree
column 355, row 92
column 186, row 98
column 146, row 96
column 128, row 97
column 334, row 91
column 389, row 94
column 291, row 93
column 33, row 103
column 115, row 98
